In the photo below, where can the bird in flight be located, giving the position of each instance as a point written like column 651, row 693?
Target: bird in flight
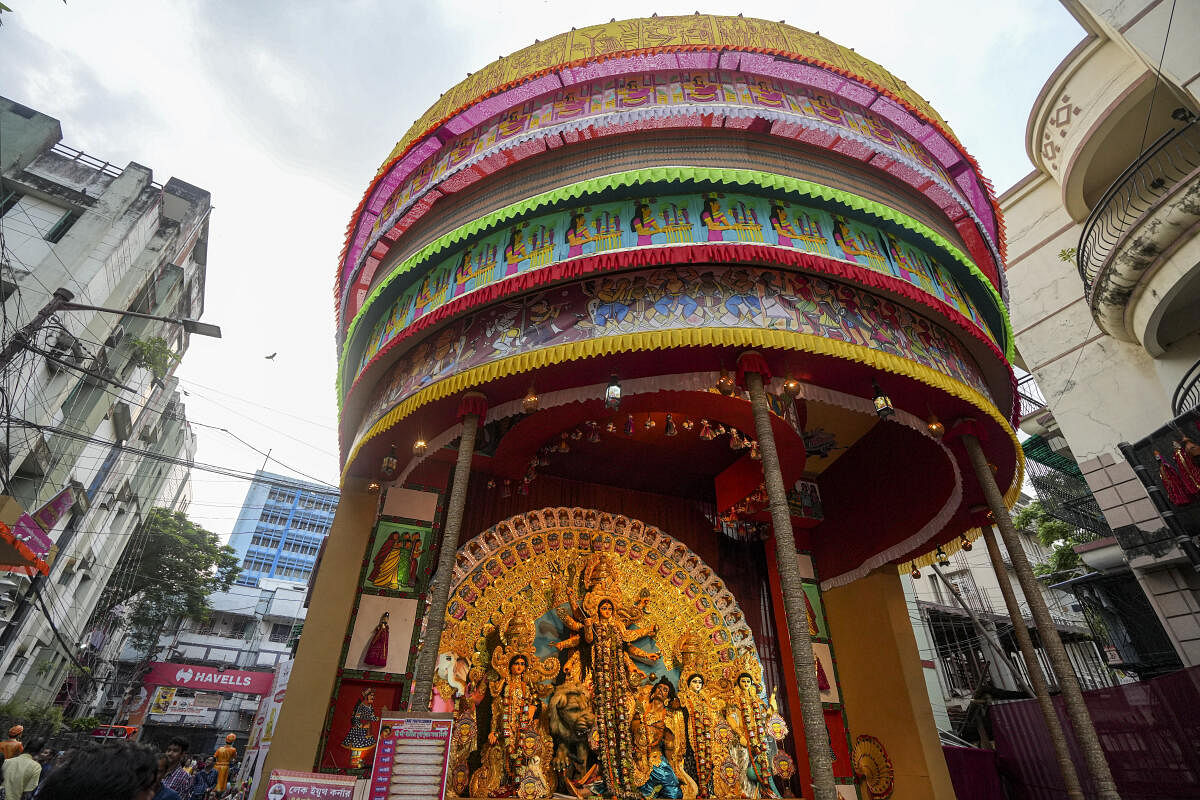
column 271, row 357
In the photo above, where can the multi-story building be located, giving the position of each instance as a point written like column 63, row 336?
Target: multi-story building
column 280, row 528
column 1104, row 275
column 82, row 410
column 959, row 608
column 250, row 628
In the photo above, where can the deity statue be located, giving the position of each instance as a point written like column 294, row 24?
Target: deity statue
column 610, row 662
column 702, row 712
column 757, row 726
column 659, row 744
column 514, row 705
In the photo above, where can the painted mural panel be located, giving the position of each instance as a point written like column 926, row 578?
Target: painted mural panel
column 661, row 95
column 399, row 552
column 696, row 218
column 666, row 299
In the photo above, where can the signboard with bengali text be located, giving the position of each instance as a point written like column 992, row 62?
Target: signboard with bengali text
column 412, row 757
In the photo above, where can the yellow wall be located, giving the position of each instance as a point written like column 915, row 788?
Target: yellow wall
column 302, row 717
column 883, row 686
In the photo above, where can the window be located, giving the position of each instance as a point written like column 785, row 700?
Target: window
column 55, row 234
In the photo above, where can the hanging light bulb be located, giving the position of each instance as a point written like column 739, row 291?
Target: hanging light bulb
column 629, row 424
column 943, row 561
column 935, row 426
column 916, row 573
column 612, row 394
column 563, row 447
column 754, row 454
column 669, row 428
column 706, row 433
column 390, row 465
column 420, row 446
column 531, row 401
column 883, row 403
column 373, row 487
column 725, row 383
column 687, row 424
column 649, row 423
column 964, row 543
column 791, row 387
column 593, row 432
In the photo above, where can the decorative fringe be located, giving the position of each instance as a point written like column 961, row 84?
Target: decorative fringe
column 619, row 122
column 436, row 117
column 686, row 337
column 628, row 178
column 726, row 253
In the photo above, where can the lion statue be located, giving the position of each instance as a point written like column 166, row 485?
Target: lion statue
column 569, row 721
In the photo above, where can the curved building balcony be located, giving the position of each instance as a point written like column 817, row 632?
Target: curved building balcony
column 1138, row 255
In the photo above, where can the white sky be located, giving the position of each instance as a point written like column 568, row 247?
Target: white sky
column 285, row 110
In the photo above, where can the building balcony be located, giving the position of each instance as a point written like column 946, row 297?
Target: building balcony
column 1138, row 255
column 1061, row 488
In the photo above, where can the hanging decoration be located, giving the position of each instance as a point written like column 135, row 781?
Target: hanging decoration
column 669, row 428
column 883, row 403
column 1172, row 481
column 420, row 446
column 390, row 464
column 1188, row 470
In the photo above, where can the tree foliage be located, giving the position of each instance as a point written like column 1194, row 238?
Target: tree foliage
column 1055, row 534
column 174, row 565
column 153, row 354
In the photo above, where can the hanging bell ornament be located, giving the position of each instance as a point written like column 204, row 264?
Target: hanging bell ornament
column 706, row 433
column 754, row 454
column 916, row 573
column 725, row 383
column 669, row 428
column 964, row 543
column 791, row 387
column 629, row 424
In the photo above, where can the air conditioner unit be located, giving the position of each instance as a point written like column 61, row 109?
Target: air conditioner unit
column 115, row 338
column 80, row 503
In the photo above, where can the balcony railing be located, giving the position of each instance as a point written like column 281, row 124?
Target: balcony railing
column 1030, row 396
column 1061, row 488
column 1187, row 393
column 1137, row 191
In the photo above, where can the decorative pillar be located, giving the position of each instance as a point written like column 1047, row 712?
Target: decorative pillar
column 471, row 412
column 1081, row 721
column 1053, row 725
column 752, row 372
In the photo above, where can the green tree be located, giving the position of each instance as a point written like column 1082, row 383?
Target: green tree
column 1059, row 536
column 172, row 565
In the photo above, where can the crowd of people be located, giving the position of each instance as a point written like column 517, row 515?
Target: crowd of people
column 118, row 770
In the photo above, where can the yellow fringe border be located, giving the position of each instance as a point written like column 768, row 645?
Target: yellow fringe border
column 693, row 337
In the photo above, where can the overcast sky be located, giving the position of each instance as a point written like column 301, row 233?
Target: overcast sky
column 285, row 110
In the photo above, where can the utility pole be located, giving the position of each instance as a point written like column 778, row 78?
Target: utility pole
column 24, row 336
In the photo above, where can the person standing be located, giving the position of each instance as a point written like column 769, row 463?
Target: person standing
column 21, row 773
column 177, row 778
column 162, row 792
column 204, row 777
column 12, row 747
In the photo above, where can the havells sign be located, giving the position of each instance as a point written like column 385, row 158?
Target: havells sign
column 191, row 676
